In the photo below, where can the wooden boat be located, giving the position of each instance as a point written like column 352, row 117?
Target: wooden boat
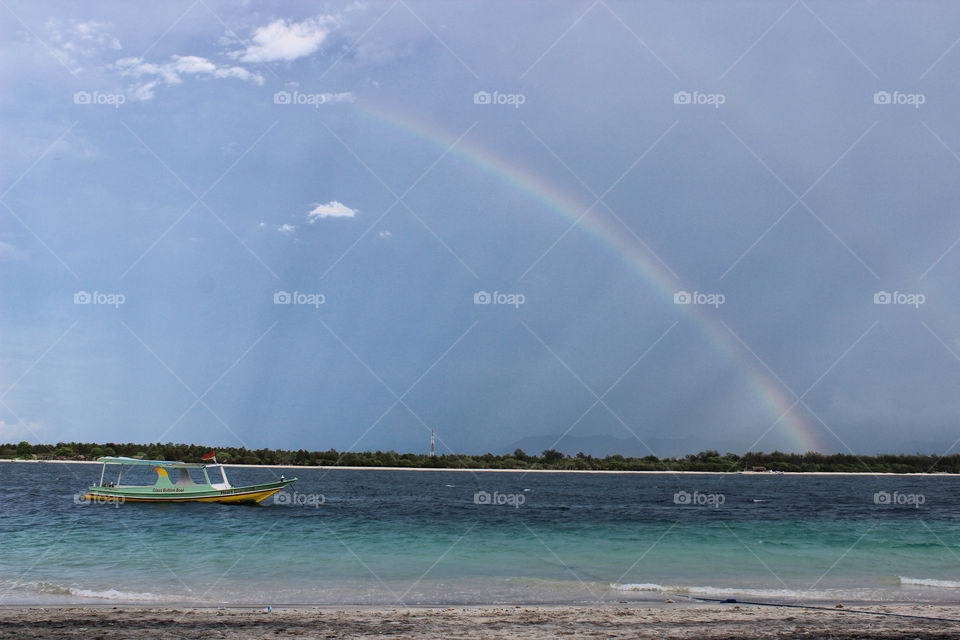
column 175, row 483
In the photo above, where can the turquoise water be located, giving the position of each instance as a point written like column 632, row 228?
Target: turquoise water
column 421, row 537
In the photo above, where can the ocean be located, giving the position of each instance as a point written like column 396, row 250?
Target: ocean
column 340, row 536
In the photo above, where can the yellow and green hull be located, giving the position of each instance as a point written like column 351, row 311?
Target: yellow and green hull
column 170, row 493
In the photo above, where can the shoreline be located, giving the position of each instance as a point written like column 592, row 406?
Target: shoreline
column 659, row 601
column 665, row 619
column 581, row 471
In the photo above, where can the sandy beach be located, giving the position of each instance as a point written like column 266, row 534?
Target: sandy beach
column 646, row 620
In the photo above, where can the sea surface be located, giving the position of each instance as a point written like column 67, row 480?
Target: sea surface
column 436, row 537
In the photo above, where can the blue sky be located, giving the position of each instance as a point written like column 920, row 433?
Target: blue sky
column 172, row 174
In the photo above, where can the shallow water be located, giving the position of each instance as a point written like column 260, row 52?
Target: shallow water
column 347, row 536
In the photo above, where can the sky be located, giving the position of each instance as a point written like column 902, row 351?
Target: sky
column 653, row 227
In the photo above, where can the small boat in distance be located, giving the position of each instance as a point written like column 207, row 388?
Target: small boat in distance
column 175, row 484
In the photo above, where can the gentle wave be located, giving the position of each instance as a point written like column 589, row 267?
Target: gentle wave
column 724, row 591
column 930, row 582
column 644, row 586
column 53, row 589
column 48, row 588
column 113, row 594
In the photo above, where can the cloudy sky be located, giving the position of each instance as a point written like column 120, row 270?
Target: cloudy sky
column 672, row 227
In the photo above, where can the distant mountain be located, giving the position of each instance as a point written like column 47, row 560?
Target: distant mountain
column 603, row 445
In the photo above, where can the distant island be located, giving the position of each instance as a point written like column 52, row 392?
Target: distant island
column 547, row 460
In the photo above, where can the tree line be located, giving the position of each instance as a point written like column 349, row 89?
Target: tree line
column 550, row 459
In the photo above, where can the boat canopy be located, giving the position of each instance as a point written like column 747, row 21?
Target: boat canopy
column 154, row 463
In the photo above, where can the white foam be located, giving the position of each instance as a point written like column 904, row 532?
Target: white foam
column 722, row 591
column 113, row 594
column 760, row 593
column 48, row 588
column 930, row 582
column 53, row 589
column 643, row 586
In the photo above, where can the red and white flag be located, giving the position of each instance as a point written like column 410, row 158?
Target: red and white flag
column 209, row 456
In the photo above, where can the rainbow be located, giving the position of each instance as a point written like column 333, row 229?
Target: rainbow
column 769, row 391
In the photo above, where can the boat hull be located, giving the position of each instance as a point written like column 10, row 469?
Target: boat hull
column 252, row 493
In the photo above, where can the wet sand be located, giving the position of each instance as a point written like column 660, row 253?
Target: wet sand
column 671, row 621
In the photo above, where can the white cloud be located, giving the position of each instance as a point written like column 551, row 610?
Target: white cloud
column 143, row 92
column 8, row 252
column 287, row 40
column 149, row 75
column 281, row 39
column 137, row 68
column 239, row 73
column 332, row 209
column 287, row 228
column 193, row 64
column 384, row 234
column 78, row 40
